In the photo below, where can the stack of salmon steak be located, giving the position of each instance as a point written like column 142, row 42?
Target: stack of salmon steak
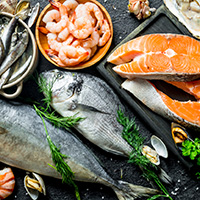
column 168, row 57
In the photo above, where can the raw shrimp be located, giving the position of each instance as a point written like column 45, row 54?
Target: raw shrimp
column 92, row 41
column 105, row 33
column 59, row 26
column 71, row 56
column 54, row 56
column 63, row 34
column 70, row 5
column 53, row 43
column 7, row 182
column 51, row 15
column 95, row 10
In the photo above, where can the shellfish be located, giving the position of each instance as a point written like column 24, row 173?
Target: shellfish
column 34, row 185
column 188, row 13
column 8, row 6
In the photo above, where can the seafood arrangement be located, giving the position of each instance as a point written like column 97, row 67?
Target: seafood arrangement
column 26, row 133
column 74, row 31
column 187, row 12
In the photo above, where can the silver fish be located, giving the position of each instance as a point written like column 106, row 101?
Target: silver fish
column 24, row 145
column 17, row 51
column 92, row 99
column 2, row 51
column 7, row 33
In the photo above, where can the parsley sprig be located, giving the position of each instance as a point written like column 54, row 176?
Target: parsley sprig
column 131, row 134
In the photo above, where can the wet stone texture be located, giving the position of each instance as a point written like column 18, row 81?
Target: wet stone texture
column 185, row 185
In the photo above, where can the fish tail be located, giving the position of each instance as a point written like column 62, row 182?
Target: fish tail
column 129, row 191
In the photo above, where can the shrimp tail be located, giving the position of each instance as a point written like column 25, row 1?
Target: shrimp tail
column 43, row 30
column 52, row 2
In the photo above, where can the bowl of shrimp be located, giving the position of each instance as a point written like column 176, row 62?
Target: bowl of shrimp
column 74, row 34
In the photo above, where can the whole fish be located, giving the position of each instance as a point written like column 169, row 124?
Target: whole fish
column 16, row 52
column 7, row 33
column 24, row 145
column 2, row 51
column 91, row 98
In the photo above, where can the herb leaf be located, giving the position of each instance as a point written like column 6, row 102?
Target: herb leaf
column 58, row 159
column 131, row 134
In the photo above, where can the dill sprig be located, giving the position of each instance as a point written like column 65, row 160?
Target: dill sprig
column 131, row 134
column 59, row 121
column 60, row 165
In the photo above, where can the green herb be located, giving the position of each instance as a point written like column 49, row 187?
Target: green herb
column 131, row 134
column 58, row 121
column 192, row 149
column 61, row 166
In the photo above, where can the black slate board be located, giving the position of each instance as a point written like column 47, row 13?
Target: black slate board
column 161, row 22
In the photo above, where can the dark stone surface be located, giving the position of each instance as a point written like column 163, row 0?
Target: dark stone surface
column 185, row 185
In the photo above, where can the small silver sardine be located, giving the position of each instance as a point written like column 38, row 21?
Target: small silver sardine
column 17, row 51
column 7, row 33
column 24, row 145
column 91, row 98
column 2, row 51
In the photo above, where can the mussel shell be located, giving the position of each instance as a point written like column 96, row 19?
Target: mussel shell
column 159, row 146
column 179, row 133
column 23, row 9
column 41, row 182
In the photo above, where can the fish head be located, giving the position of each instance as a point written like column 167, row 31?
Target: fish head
column 66, row 88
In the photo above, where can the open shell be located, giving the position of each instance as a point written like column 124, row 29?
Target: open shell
column 34, row 185
column 23, row 9
column 159, row 146
column 187, row 12
column 179, row 133
column 151, row 154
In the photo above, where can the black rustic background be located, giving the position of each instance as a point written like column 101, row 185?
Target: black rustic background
column 185, row 186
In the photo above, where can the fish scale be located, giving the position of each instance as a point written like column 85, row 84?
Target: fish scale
column 24, row 145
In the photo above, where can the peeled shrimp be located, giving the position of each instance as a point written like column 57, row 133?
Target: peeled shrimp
column 7, row 182
column 92, row 41
column 63, row 34
column 51, row 15
column 53, row 43
column 70, row 5
column 105, row 33
column 71, row 55
column 59, row 26
column 95, row 10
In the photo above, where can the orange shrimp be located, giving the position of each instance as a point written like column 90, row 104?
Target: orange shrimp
column 105, row 33
column 7, row 182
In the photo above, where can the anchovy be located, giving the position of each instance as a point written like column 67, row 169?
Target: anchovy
column 7, row 33
column 16, row 52
column 2, row 51
column 91, row 98
column 24, row 145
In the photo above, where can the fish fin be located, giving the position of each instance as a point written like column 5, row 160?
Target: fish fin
column 131, row 192
column 86, row 107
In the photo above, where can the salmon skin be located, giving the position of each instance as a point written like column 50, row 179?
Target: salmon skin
column 186, row 113
column 24, row 145
column 169, row 57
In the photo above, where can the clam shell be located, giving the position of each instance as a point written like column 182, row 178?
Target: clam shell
column 187, row 13
column 159, row 146
column 151, row 154
column 8, row 6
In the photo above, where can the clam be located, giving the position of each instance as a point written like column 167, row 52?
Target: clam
column 34, row 185
column 8, row 6
column 23, row 9
column 187, row 12
column 151, row 154
column 179, row 133
column 159, row 146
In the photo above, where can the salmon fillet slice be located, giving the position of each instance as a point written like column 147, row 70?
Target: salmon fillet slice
column 186, row 113
column 191, row 87
column 159, row 56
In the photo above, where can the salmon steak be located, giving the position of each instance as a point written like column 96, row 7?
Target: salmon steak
column 186, row 113
column 169, row 57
